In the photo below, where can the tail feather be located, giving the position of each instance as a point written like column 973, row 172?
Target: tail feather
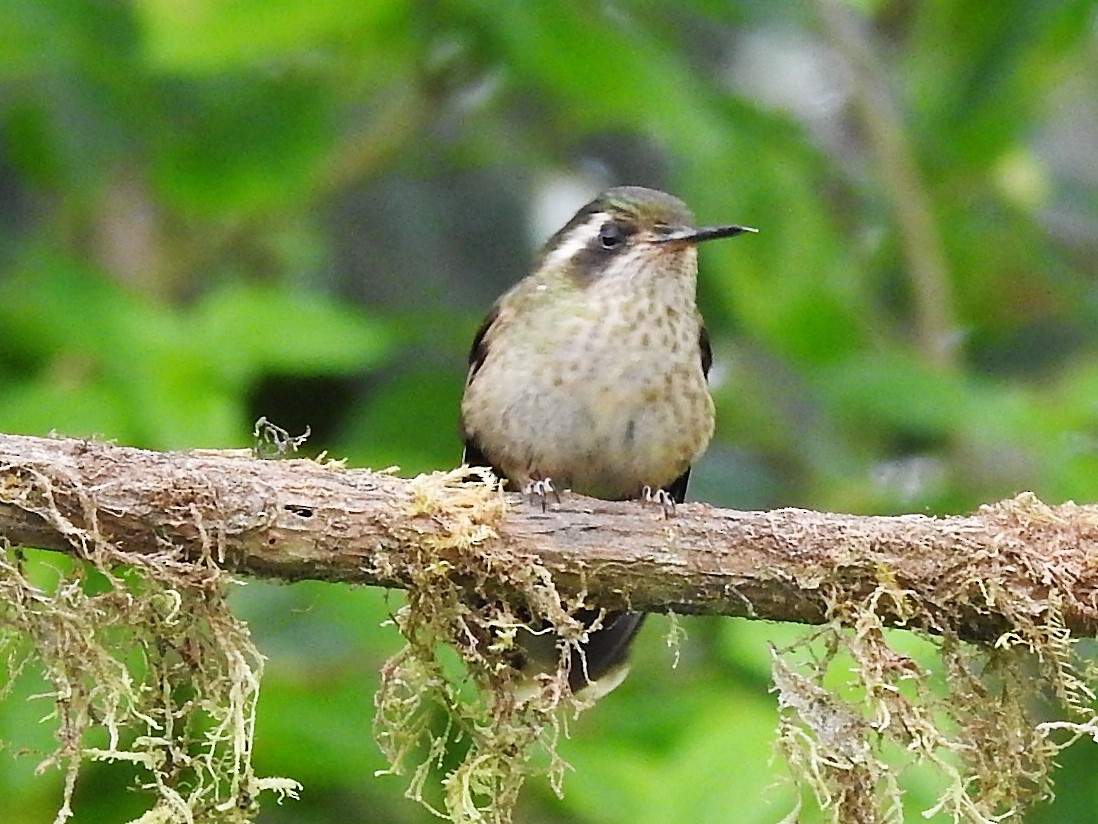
column 606, row 651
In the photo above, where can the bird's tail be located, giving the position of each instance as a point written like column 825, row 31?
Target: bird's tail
column 602, row 663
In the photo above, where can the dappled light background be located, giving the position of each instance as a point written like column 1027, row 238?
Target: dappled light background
column 221, row 209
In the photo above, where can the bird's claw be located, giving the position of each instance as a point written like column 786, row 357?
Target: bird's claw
column 661, row 497
column 540, row 489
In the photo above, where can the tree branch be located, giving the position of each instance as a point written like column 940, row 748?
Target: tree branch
column 297, row 519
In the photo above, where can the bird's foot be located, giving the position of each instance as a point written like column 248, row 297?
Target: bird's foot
column 661, row 497
column 539, row 489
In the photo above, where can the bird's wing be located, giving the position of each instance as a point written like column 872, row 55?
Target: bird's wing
column 473, row 454
column 705, row 350
column 479, row 350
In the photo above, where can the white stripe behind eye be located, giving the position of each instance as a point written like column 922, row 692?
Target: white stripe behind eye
column 576, row 240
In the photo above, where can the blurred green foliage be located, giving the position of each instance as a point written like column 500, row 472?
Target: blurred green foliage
column 220, row 209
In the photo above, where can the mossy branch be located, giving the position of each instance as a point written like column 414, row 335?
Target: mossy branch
column 1017, row 578
column 299, row 519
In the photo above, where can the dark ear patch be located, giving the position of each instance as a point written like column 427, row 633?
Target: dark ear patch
column 611, row 239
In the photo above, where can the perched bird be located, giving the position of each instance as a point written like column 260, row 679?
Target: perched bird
column 591, row 375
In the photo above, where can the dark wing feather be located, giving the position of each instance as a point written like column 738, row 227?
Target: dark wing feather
column 677, row 488
column 706, row 351
column 479, row 350
column 473, row 455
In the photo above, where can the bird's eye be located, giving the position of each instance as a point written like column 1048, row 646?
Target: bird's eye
column 611, row 236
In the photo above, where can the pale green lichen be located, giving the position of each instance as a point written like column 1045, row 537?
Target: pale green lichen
column 973, row 712
column 467, row 596
column 143, row 648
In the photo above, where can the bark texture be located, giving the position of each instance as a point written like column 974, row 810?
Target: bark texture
column 294, row 519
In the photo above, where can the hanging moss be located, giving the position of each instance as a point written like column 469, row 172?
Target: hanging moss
column 989, row 719
column 143, row 647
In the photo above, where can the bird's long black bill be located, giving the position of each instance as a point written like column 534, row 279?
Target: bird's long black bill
column 689, row 234
column 714, row 232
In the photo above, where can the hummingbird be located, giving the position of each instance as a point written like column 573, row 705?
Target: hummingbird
column 591, row 375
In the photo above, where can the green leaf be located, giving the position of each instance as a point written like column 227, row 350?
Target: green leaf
column 204, row 36
column 244, row 330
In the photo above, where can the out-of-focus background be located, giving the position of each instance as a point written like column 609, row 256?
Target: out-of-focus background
column 219, row 209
